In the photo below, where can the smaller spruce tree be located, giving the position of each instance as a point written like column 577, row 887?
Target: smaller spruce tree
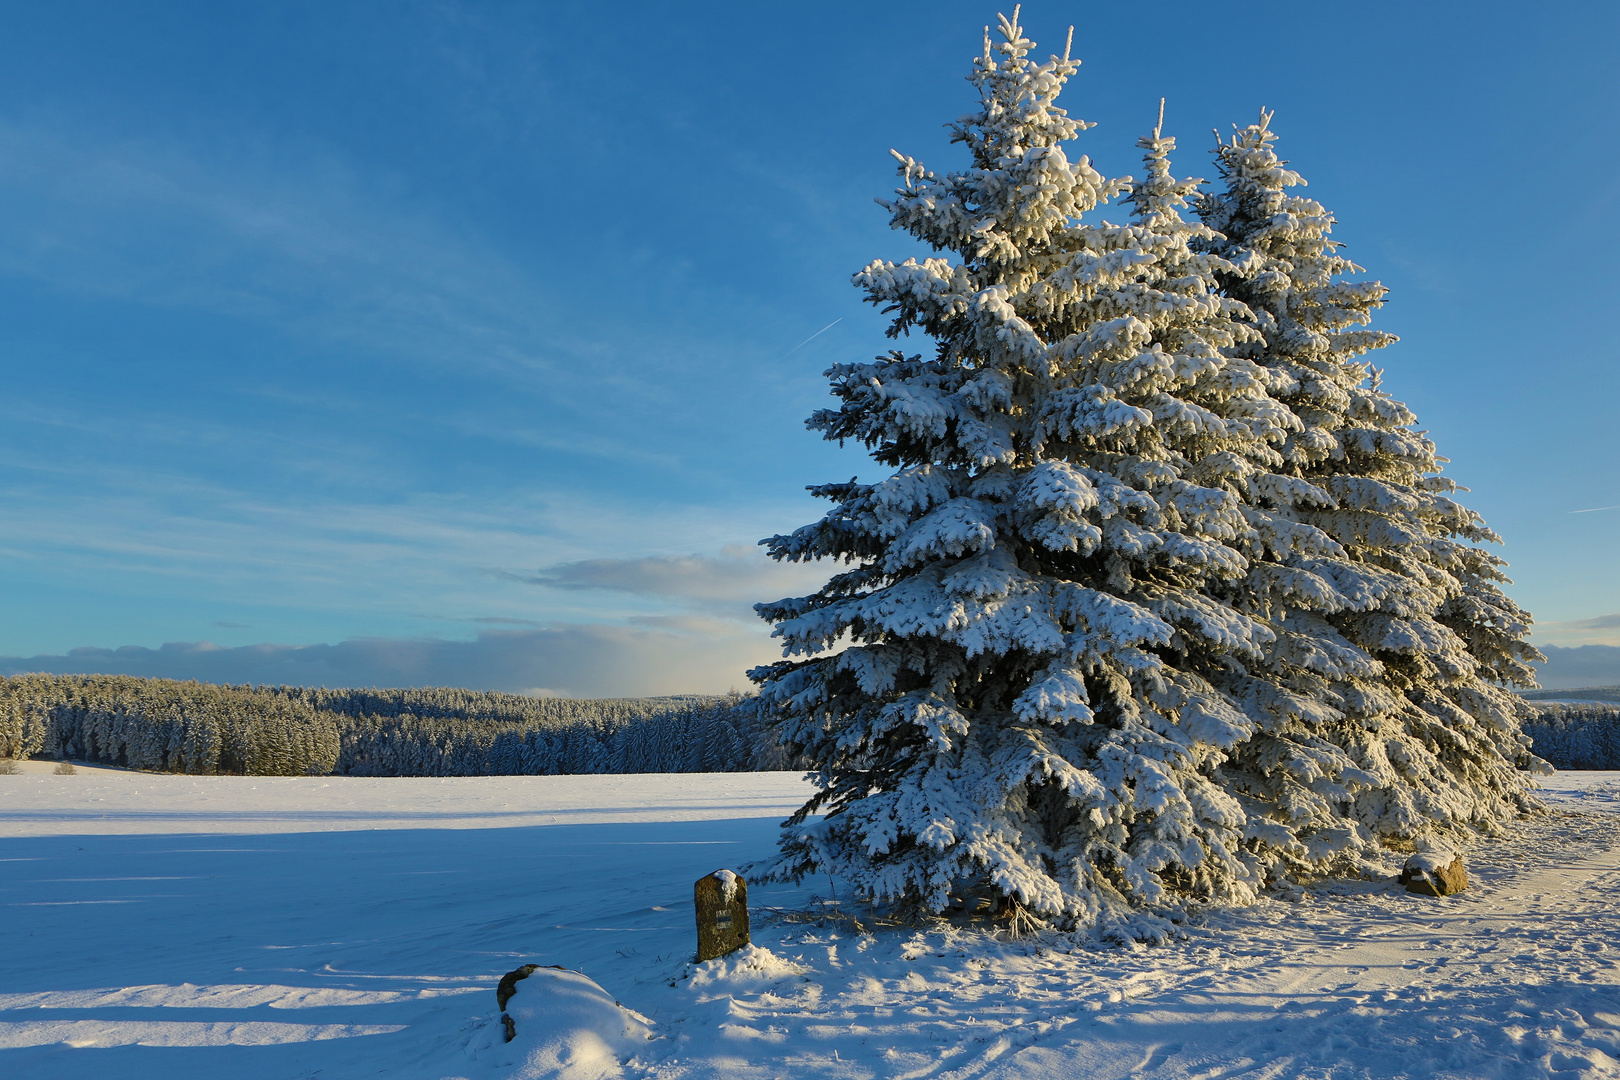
column 1391, row 713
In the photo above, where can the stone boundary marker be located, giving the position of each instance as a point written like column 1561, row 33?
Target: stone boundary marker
column 721, row 900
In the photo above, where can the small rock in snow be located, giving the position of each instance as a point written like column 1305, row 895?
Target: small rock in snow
column 1434, row 873
column 509, row 981
column 559, row 1025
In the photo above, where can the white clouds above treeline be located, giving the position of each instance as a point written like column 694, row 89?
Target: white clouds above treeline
column 726, row 586
column 570, row 660
column 697, row 634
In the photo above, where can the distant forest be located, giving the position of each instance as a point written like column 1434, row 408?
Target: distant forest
column 1576, row 736
column 161, row 725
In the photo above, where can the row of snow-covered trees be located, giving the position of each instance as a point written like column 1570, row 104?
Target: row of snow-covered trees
column 1576, row 736
column 161, row 725
column 447, row 732
column 1163, row 595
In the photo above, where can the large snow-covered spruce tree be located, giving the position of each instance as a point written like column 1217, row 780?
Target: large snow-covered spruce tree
column 1066, row 663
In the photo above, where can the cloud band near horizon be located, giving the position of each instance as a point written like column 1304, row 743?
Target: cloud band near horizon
column 567, row 660
column 653, row 658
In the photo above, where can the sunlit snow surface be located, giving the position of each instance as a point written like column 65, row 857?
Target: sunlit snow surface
column 246, row 928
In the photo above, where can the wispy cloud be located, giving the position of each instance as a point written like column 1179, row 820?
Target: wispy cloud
column 135, row 533
column 290, row 234
column 318, row 244
column 727, row 585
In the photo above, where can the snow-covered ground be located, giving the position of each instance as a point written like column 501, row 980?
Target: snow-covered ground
column 174, row 927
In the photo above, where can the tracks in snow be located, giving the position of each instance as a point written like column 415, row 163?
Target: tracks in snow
column 1517, row 978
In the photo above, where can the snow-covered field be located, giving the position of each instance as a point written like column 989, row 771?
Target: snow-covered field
column 239, row 927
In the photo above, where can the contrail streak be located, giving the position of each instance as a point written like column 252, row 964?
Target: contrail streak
column 812, row 337
column 1595, row 509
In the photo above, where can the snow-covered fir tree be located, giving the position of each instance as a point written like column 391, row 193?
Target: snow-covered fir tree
column 1030, row 608
column 1066, row 662
column 1390, row 715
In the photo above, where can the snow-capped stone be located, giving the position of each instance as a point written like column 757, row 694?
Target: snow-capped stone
column 1434, row 873
column 720, row 904
column 559, row 1024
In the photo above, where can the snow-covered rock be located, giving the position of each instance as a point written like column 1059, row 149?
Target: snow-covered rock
column 558, row 1025
column 1434, row 873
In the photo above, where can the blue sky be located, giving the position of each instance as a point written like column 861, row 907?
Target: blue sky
column 471, row 343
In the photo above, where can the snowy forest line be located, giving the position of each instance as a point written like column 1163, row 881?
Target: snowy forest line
column 163, row 725
column 1575, row 736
